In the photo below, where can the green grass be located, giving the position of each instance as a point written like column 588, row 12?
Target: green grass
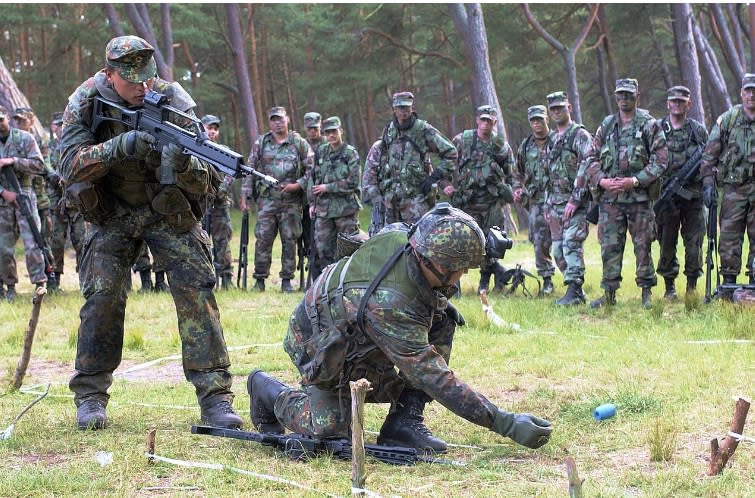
column 673, row 396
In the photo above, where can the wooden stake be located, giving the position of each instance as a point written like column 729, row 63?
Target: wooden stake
column 23, row 361
column 151, row 433
column 575, row 483
column 720, row 454
column 359, row 390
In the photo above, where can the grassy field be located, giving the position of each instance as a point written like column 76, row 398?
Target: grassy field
column 672, row 371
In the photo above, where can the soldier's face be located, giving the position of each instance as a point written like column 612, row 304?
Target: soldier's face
column 539, row 127
column 213, row 132
column 627, row 101
column 313, row 133
column 132, row 93
column 748, row 98
column 4, row 125
column 22, row 123
column 485, row 126
column 402, row 113
column 335, row 138
column 279, row 124
column 677, row 107
column 561, row 114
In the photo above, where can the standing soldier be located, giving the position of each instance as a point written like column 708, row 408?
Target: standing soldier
column 19, row 151
column 65, row 219
column 332, row 193
column 629, row 156
column 286, row 156
column 684, row 136
column 530, row 180
column 312, row 125
column 568, row 196
column 219, row 216
column 408, row 176
column 483, row 180
column 729, row 159
column 312, row 122
column 373, row 165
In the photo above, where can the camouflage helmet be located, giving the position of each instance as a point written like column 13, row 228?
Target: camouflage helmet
column 132, row 57
column 449, row 237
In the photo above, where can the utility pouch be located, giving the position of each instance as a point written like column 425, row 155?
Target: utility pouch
column 89, row 199
column 175, row 208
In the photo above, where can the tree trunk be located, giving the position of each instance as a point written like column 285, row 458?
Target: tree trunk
column 113, row 19
column 668, row 80
column 138, row 14
column 168, row 52
column 725, row 40
column 720, row 454
column 686, row 50
column 751, row 12
column 737, row 34
column 612, row 74
column 242, row 74
column 605, row 94
column 710, row 71
column 255, row 64
column 12, row 97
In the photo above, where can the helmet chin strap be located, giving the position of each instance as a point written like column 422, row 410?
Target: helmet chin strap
column 445, row 280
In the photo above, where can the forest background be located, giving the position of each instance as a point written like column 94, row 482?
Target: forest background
column 238, row 60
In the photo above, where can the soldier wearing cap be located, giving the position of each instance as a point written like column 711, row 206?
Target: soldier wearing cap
column 373, row 165
column 19, row 151
column 405, row 181
column 530, row 179
column 628, row 159
column 65, row 218
column 218, row 216
column 286, row 156
column 729, row 161
column 568, row 196
column 332, row 193
column 112, row 174
column 312, row 125
column 482, row 180
column 684, row 136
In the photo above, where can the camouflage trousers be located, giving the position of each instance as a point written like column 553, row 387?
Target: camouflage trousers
column 65, row 222
column 568, row 242
column 221, row 232
column 143, row 261
column 685, row 216
column 737, row 217
column 326, row 234
column 13, row 224
column 614, row 221
column 274, row 217
column 486, row 216
column 409, row 209
column 327, row 413
column 540, row 235
column 108, row 252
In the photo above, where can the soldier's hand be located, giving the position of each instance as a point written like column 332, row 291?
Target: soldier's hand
column 523, row 428
column 173, row 157
column 9, row 196
column 709, row 195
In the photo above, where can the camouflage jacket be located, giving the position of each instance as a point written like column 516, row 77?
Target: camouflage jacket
column 483, row 175
column 131, row 183
column 373, row 166
column 314, row 144
column 567, row 166
column 54, row 190
column 730, row 151
column 339, row 172
column 29, row 162
column 682, row 144
column 531, row 171
column 397, row 320
column 289, row 161
column 638, row 150
column 407, row 171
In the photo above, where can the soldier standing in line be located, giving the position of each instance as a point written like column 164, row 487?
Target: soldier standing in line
column 629, row 156
column 312, row 124
column 373, row 165
column 333, row 193
column 530, row 180
column 568, row 196
column 286, row 156
column 729, row 160
column 482, row 180
column 683, row 137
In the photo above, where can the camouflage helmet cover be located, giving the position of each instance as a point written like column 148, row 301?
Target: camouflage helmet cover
column 210, row 119
column 449, row 237
column 132, row 57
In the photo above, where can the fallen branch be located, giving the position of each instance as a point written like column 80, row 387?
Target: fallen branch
column 575, row 483
column 359, row 390
column 151, row 433
column 8, row 432
column 23, row 361
column 720, row 453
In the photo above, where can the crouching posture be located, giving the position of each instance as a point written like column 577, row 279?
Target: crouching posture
column 383, row 314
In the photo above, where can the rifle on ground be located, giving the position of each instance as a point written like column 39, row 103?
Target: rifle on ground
column 24, row 204
column 243, row 251
column 300, row 447
column 676, row 186
column 712, row 232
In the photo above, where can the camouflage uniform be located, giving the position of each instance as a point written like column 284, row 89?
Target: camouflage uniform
column 133, row 206
column 312, row 120
column 405, row 180
column 637, row 151
column 373, row 164
column 337, row 210
column 482, row 181
column 531, row 175
column 567, row 183
column 682, row 214
column 22, row 146
column 277, row 211
column 728, row 161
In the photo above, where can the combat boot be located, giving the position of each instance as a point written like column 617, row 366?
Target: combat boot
column 286, row 286
column 53, row 285
column 670, row 293
column 226, row 282
column 160, row 284
column 574, row 295
column 548, row 287
column 260, row 285
column 607, row 299
column 263, row 391
column 221, row 415
column 10, row 294
column 404, row 426
column 484, row 281
column 725, row 294
column 91, row 415
column 647, row 297
column 146, row 277
column 691, row 285
column 500, row 277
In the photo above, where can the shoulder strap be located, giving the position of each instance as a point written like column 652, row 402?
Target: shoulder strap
column 375, row 282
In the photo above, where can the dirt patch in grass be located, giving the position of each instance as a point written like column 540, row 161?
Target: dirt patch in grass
column 44, row 371
column 47, row 459
column 167, row 372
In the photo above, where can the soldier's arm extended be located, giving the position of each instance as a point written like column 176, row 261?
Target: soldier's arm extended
column 583, row 145
column 658, row 161
column 350, row 182
column 438, row 143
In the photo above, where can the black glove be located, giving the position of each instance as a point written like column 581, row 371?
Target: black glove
column 427, row 184
column 709, row 195
column 53, row 177
column 174, row 159
column 455, row 315
column 525, row 429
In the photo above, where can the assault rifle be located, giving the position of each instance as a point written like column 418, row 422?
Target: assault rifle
column 377, row 221
column 154, row 118
column 712, row 232
column 243, row 251
column 313, row 266
column 24, row 204
column 300, row 447
column 676, row 186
